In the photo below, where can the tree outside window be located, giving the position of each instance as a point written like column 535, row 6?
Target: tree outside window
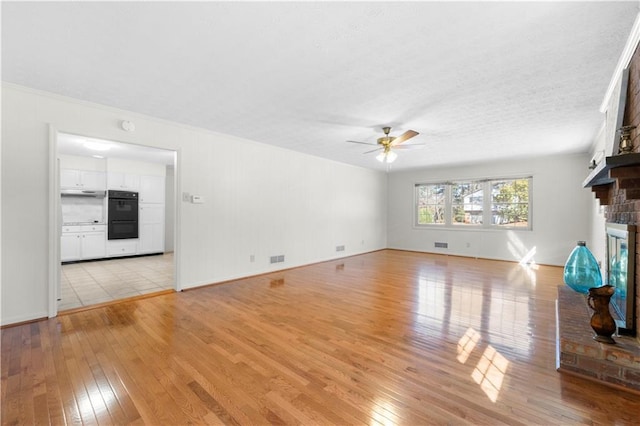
column 431, row 204
column 467, row 203
column 487, row 203
column 510, row 202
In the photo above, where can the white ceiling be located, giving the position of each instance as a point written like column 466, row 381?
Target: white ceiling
column 478, row 80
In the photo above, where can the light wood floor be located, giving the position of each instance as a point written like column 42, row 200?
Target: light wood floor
column 384, row 338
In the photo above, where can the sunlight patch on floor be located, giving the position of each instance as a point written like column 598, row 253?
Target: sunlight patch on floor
column 467, row 344
column 490, row 371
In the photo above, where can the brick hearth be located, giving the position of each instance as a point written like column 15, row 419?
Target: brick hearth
column 616, row 365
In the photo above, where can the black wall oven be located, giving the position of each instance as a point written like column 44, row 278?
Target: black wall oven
column 122, row 215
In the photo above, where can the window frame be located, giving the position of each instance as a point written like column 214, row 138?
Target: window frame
column 416, row 207
column 487, row 202
column 452, row 223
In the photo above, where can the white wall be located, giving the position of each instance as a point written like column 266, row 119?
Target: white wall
column 123, row 165
column 561, row 211
column 597, row 222
column 260, row 200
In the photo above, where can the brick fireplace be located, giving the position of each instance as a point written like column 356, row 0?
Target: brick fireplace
column 616, row 184
column 621, row 195
column 618, row 189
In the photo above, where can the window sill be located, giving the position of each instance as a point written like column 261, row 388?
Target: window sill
column 468, row 228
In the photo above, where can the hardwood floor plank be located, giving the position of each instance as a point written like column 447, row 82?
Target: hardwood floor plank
column 388, row 337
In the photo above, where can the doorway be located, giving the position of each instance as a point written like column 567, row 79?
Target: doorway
column 93, row 266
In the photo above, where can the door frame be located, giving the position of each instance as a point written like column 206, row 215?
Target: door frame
column 55, row 218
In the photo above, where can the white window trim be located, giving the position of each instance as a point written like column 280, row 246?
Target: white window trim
column 487, row 224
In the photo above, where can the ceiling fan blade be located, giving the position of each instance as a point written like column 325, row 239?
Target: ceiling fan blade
column 410, row 146
column 373, row 150
column 363, row 143
column 404, row 137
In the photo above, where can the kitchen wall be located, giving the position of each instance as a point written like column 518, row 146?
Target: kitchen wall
column 83, row 210
column 259, row 200
column 561, row 211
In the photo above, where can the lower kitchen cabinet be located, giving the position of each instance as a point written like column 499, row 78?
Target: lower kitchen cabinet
column 127, row 247
column 93, row 245
column 82, row 242
column 70, row 247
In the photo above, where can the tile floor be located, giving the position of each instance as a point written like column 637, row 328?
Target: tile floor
column 89, row 283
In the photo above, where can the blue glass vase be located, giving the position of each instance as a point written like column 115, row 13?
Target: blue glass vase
column 581, row 272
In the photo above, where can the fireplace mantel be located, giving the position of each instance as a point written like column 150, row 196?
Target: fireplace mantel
column 622, row 170
column 601, row 175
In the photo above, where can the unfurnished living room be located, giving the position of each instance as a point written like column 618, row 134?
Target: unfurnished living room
column 320, row 213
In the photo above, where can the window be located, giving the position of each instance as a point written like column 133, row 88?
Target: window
column 431, row 204
column 510, row 202
column 490, row 203
column 466, row 203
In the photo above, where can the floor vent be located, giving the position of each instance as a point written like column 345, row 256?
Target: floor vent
column 442, row 245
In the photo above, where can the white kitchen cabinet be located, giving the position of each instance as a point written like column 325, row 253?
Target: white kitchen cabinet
column 151, row 223
column 123, row 181
column 82, row 242
column 93, row 245
column 152, row 189
column 128, row 247
column 82, row 179
column 70, row 247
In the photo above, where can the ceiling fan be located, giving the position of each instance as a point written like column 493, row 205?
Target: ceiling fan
column 387, row 143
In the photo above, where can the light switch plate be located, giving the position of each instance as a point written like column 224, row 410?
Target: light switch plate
column 197, row 199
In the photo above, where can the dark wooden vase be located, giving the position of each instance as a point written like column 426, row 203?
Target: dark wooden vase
column 601, row 321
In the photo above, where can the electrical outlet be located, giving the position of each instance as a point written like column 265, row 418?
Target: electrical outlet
column 252, row 258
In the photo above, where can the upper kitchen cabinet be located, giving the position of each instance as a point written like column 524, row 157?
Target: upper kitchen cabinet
column 152, row 189
column 123, row 181
column 82, row 179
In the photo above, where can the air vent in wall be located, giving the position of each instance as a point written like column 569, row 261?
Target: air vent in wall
column 276, row 259
column 339, row 248
column 442, row 245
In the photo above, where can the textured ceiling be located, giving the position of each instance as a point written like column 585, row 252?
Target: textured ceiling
column 478, row 80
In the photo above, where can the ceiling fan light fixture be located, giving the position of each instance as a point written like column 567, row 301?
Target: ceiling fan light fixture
column 387, row 143
column 387, row 157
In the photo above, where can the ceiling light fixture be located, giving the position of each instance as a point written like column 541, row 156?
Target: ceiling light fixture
column 98, row 156
column 387, row 156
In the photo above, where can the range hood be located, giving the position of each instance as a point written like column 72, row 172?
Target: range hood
column 82, row 193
